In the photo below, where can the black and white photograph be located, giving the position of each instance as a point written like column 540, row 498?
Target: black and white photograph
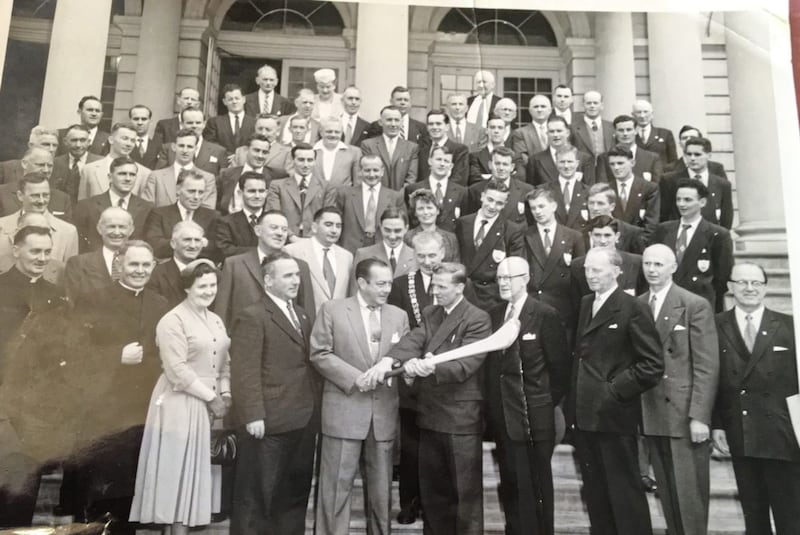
column 425, row 267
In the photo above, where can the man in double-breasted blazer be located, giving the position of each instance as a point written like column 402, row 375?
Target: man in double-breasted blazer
column 676, row 413
column 275, row 389
column 617, row 356
column 704, row 250
column 638, row 201
column 653, row 138
column 399, row 156
column 523, row 385
column 719, row 205
column 647, row 164
column 329, row 264
column 502, row 166
column 349, row 343
column 550, row 249
column 454, row 197
column 300, row 195
column 485, row 238
column 758, row 371
column 359, row 228
column 448, row 405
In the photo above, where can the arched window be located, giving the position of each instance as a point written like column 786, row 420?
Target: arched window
column 297, row 17
column 513, row 27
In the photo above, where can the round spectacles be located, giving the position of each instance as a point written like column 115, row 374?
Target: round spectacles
column 507, row 278
column 756, row 285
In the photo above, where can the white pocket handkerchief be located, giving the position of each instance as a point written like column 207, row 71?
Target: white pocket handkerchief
column 679, row 328
column 395, row 338
column 780, row 348
column 529, row 336
column 212, row 159
column 613, row 326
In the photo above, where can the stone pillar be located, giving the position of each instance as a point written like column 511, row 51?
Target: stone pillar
column 676, row 70
column 76, row 60
column 5, row 26
column 379, row 67
column 760, row 77
column 616, row 77
column 158, row 56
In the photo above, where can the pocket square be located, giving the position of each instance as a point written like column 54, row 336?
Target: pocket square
column 613, row 326
column 212, row 159
column 679, row 328
column 780, row 348
column 529, row 336
column 395, row 338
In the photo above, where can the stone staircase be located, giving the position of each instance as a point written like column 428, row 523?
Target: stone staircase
column 570, row 512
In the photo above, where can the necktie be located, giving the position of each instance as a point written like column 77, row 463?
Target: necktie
column 74, row 181
column 348, row 134
column 236, row 125
column 393, row 261
column 653, row 304
column 374, row 332
column 439, row 194
column 596, row 304
column 253, row 220
column 121, row 203
column 327, row 270
column 293, row 317
column 402, row 131
column 390, row 148
column 481, row 234
column 680, row 246
column 372, row 207
column 509, row 312
column 641, row 133
column 430, row 288
column 597, row 139
column 479, row 120
column 749, row 333
column 303, row 185
column 265, row 105
column 548, row 244
column 623, row 195
column 566, row 194
column 542, row 136
column 698, row 176
column 116, row 268
column 139, row 143
column 594, row 126
column 459, row 136
column 189, row 214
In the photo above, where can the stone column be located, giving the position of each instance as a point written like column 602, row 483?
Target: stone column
column 616, row 77
column 5, row 26
column 157, row 60
column 760, row 77
column 76, row 60
column 379, row 67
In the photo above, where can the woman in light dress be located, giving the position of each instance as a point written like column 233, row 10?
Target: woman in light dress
column 176, row 484
column 426, row 210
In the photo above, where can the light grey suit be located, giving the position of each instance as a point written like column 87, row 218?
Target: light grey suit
column 161, row 185
column 345, row 167
column 64, row 235
column 354, row 421
column 401, row 167
column 94, row 178
column 341, row 259
column 688, row 335
column 472, row 135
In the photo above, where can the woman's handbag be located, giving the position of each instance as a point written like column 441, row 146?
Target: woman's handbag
column 223, row 447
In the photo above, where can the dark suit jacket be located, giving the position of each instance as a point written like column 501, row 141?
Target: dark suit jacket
column 87, row 214
column 211, row 158
column 525, row 143
column 617, row 356
column 643, row 207
column 631, row 239
column 226, row 185
column 719, row 205
column 502, row 239
column 99, row 143
column 235, row 235
column 399, row 170
column 631, row 278
column 455, row 203
column 350, row 201
column 714, row 168
column 84, row 274
column 60, row 204
column 751, row 399
column 479, row 165
column 416, row 130
column 360, row 132
column 550, row 274
column 160, row 221
column 400, row 296
column 218, row 130
column 241, row 285
column 582, row 138
column 495, row 99
column 541, row 168
column 460, row 172
column 707, row 262
column 646, row 162
column 150, row 157
column 62, row 177
column 578, row 214
column 516, row 206
column 662, row 142
column 166, row 281
column 280, row 105
column 525, row 381
column 271, row 375
column 449, row 400
column 167, row 130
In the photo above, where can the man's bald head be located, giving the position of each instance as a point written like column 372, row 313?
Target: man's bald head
column 658, row 264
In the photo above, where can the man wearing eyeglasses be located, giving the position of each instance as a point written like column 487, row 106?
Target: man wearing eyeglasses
column 524, row 384
column 758, row 371
column 704, row 250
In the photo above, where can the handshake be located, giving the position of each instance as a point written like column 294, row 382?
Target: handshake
column 370, row 379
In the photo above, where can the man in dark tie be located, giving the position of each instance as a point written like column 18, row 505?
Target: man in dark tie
column 638, row 200
column 591, row 133
column 266, row 99
column 501, row 166
column 235, row 231
column 617, row 356
column 647, row 164
column 90, row 112
column 481, row 105
column 146, row 151
column 355, row 129
column 751, row 421
column 602, row 200
column 542, row 166
column 67, row 167
column 274, row 385
column 233, row 127
column 655, row 139
column 449, row 406
column 571, row 192
column 188, row 241
column 187, row 97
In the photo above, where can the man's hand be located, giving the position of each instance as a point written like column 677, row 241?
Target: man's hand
column 362, row 383
column 256, row 429
column 231, row 159
column 720, row 441
column 132, row 354
column 698, row 431
column 376, row 375
column 418, row 368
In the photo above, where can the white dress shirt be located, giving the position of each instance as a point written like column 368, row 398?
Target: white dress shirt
column 689, row 231
column 660, row 296
column 391, row 144
column 283, row 305
column 551, row 232
column 108, row 258
column 518, row 304
column 126, row 200
column 477, row 226
column 185, row 216
column 741, row 321
column 365, row 312
column 319, row 254
column 232, row 119
column 365, row 193
column 328, row 157
column 449, row 309
column 601, row 298
column 472, row 112
column 397, row 250
column 236, row 203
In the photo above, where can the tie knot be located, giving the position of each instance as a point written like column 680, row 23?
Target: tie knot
column 749, row 317
column 373, row 308
column 483, row 222
column 686, row 226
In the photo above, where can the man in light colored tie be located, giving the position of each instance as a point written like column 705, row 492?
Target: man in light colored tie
column 461, row 130
column 482, row 104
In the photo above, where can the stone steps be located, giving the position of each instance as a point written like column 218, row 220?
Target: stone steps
column 570, row 512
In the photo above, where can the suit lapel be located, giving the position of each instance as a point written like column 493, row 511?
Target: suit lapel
column 315, row 269
column 730, row 330
column 556, row 251
column 493, row 233
column 634, row 201
column 254, row 267
column 695, row 246
column 294, row 192
column 549, row 166
column 764, row 335
column 606, row 312
column 357, row 325
column 357, row 198
column 447, row 326
column 280, row 319
column 671, row 311
column 583, row 133
column 536, row 246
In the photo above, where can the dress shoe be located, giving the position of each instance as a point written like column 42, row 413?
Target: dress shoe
column 649, row 484
column 409, row 514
